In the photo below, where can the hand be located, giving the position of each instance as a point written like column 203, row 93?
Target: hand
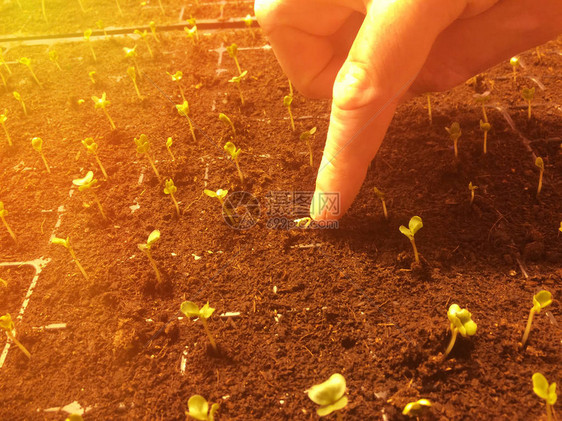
column 371, row 54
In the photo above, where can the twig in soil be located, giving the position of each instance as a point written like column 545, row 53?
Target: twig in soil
column 522, row 268
column 540, row 300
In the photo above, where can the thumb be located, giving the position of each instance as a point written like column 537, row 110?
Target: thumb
column 384, row 60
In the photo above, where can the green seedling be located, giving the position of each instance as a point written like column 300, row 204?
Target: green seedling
column 54, row 57
column 248, row 21
column 103, row 103
column 152, row 26
column 413, row 226
column 303, row 222
column 192, row 34
column 143, row 147
column 89, row 183
column 236, row 80
column 3, row 62
column 514, row 61
column 454, row 133
column 220, row 194
column 306, row 136
column 224, row 118
column 3, row 214
column 540, row 164
column 87, row 35
column 66, row 244
column 191, row 309
column 330, row 395
column 183, row 109
column 287, row 101
column 232, row 51
column 101, row 26
column 131, row 53
column 540, row 300
column 547, row 392
column 230, row 148
column 91, row 75
column 169, row 143
column 92, row 148
column 27, row 63
column 430, row 114
column 198, row 408
column 18, row 97
column 485, row 127
column 144, row 35
column 37, row 144
column 7, row 325
column 415, row 409
column 3, row 119
column 145, row 248
column 461, row 322
column 528, row 95
column 381, row 196
column 177, row 77
column 482, row 99
column 471, row 188
column 133, row 75
column 171, row 189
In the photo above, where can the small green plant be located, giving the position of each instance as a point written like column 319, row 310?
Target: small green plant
column 87, row 35
column 541, row 300
column 306, row 136
column 287, row 101
column 381, row 196
column 7, row 325
column 330, row 395
column 131, row 53
column 169, row 143
column 248, row 21
column 485, row 127
column 91, row 75
column 471, row 187
column 454, row 133
column 225, row 119
column 183, row 109
column 415, row 409
column 413, row 226
column 103, row 103
column 303, row 222
column 514, row 61
column 27, row 63
column 3, row 214
column 133, row 75
column 232, row 51
column 430, row 114
column 146, row 247
column 192, row 33
column 482, row 99
column 92, row 148
column 18, row 98
column 101, row 26
column 143, row 147
column 89, row 183
column 3, row 119
column 191, row 309
column 198, row 408
column 540, row 164
column 66, row 244
column 177, row 77
column 230, row 148
column 461, row 322
column 152, row 26
column 547, row 392
column 37, row 144
column 3, row 62
column 528, row 95
column 54, row 57
column 171, row 189
column 236, row 80
column 144, row 35
column 220, row 195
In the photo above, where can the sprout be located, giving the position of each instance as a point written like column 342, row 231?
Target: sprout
column 91, row 76
column 545, row 391
column 540, row 300
column 248, row 21
column 304, row 222
column 183, row 109
column 528, row 94
column 27, row 63
column 232, row 51
column 3, row 214
column 87, row 35
column 224, row 118
column 103, row 103
column 3, row 119
column 101, row 26
column 236, row 80
column 66, row 244
column 461, row 322
column 415, row 409
column 191, row 309
column 3, row 61
column 152, row 26
column 381, row 195
column 86, row 183
column 287, row 101
column 192, row 34
column 471, row 188
column 220, row 194
column 54, row 57
column 145, row 248
column 143, row 147
column 133, row 75
column 143, row 35
column 177, row 77
column 7, row 325
column 37, row 144
column 169, row 143
column 171, row 189
column 131, row 53
column 539, row 163
column 306, row 135
column 482, row 99
column 429, row 108
column 454, row 133
column 18, row 97
column 199, row 409
column 414, row 225
column 514, row 61
column 92, row 148
column 330, row 395
column 234, row 153
column 484, row 126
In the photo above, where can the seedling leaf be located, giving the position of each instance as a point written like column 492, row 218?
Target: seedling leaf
column 541, row 300
column 414, row 409
column 543, row 390
column 461, row 320
column 153, row 237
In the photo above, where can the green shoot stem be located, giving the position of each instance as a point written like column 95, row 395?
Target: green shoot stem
column 528, row 328
column 310, row 151
column 239, row 170
column 137, row 89
column 9, row 229
column 416, row 255
column 240, row 92
column 339, row 416
column 19, row 344
column 6, row 65
column 161, row 7
column 472, row 195
column 485, row 142
column 81, row 6
column 429, row 109
column 549, row 412
column 529, row 110
column 226, row 211
column 291, row 117
column 149, row 49
column 3, row 80
column 101, row 167
column 58, row 65
column 451, row 343
column 153, row 263
column 208, row 332
column 456, row 148
column 153, row 167
column 97, row 200
column 45, row 162
column 109, row 118
column 23, row 106
column 119, row 8
column 484, row 114
column 78, row 263
column 43, row 10
column 7, row 135
column 514, row 75
column 237, row 65
column 181, row 91
column 171, row 153
column 290, row 88
column 92, row 50
column 191, row 128
column 539, row 188
column 175, row 204
column 386, row 215
column 233, row 129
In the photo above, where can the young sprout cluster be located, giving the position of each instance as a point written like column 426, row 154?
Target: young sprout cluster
column 191, row 309
column 415, row 409
column 66, row 244
column 92, row 148
column 547, row 392
column 54, row 57
column 3, row 119
column 133, row 75
column 37, row 144
column 224, row 118
column 89, row 183
column 540, row 300
column 87, row 35
column 231, row 149
column 330, row 395
column 144, row 35
column 232, row 51
column 461, row 322
column 27, row 63
column 236, row 80
column 183, row 109
column 381, row 196
column 528, row 94
column 413, row 226
column 7, row 325
column 540, row 164
column 471, row 187
column 3, row 214
column 171, row 189
column 454, row 133
column 18, row 98
column 306, row 136
column 198, row 409
column 177, row 77
column 287, row 101
column 103, row 103
column 146, row 247
column 514, row 61
column 143, row 148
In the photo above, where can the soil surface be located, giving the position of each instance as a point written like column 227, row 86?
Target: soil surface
column 308, row 302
